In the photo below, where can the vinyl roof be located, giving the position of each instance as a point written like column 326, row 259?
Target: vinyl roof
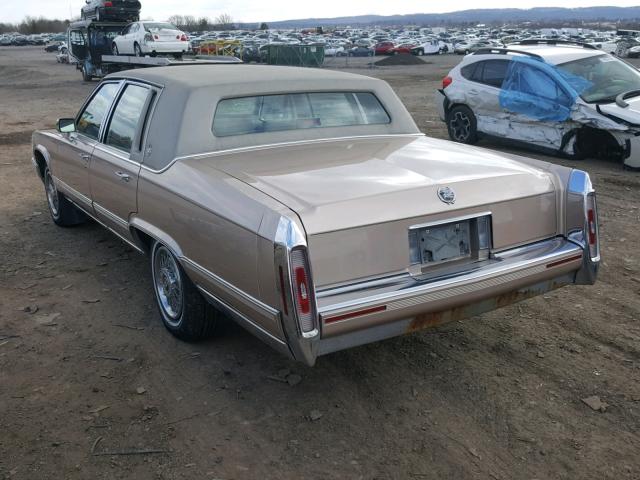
column 198, row 76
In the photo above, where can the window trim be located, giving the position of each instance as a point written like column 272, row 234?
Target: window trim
column 136, row 153
column 88, row 101
column 112, row 111
column 301, row 92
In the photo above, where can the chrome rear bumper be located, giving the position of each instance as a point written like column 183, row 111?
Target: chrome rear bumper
column 368, row 311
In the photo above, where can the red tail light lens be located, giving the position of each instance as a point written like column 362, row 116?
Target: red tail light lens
column 108, row 4
column 446, row 81
column 156, row 37
column 592, row 226
column 183, row 38
column 303, row 293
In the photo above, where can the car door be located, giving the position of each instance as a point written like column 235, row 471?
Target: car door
column 116, row 160
column 534, row 97
column 125, row 45
column 71, row 165
column 482, row 90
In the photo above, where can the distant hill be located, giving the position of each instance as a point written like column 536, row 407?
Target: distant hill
column 488, row 16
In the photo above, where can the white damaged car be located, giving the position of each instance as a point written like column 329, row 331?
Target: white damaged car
column 566, row 99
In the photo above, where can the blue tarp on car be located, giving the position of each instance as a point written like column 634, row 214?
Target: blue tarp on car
column 539, row 90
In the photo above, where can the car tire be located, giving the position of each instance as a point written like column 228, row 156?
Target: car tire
column 467, row 52
column 98, row 17
column 62, row 211
column 462, row 125
column 183, row 309
column 137, row 51
column 420, row 52
column 114, row 49
column 85, row 75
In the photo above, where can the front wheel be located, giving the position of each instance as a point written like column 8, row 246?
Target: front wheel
column 63, row 212
column 184, row 312
column 114, row 49
column 462, row 125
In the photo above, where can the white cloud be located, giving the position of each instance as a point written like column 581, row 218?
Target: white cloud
column 261, row 10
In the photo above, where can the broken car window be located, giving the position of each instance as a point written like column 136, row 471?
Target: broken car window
column 606, row 77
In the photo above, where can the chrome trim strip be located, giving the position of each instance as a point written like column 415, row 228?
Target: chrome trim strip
column 71, row 191
column 217, row 153
column 404, row 326
column 119, row 154
column 407, row 291
column 97, row 220
column 246, row 322
column 450, row 220
column 111, row 216
column 258, row 306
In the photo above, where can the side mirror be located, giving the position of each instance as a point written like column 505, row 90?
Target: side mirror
column 66, row 125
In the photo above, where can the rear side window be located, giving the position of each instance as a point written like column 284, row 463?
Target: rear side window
column 489, row 72
column 298, row 111
column 93, row 115
column 126, row 117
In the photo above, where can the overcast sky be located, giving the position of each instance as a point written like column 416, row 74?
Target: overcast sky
column 268, row 10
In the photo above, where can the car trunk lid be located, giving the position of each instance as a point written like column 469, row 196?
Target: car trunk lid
column 357, row 198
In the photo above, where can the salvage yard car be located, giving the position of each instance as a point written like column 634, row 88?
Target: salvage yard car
column 118, row 10
column 565, row 99
column 307, row 206
column 142, row 38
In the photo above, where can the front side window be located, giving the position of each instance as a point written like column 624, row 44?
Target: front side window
column 126, row 117
column 297, row 111
column 93, row 115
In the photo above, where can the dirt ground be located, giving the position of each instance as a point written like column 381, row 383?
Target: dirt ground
column 88, row 373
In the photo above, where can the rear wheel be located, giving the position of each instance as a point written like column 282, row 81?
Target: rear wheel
column 63, row 212
column 86, row 76
column 184, row 312
column 420, row 52
column 462, row 125
column 137, row 51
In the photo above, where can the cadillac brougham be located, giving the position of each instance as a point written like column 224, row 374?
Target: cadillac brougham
column 307, row 206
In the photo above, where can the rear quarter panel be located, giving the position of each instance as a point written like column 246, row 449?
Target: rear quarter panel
column 213, row 222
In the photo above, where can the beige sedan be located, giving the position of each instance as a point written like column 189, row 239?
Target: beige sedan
column 307, row 206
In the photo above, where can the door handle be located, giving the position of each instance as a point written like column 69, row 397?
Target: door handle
column 473, row 92
column 85, row 158
column 123, row 176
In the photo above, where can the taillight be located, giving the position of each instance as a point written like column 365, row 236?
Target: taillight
column 592, row 226
column 303, row 292
column 156, row 37
column 108, row 4
column 183, row 38
column 446, row 81
column 148, row 37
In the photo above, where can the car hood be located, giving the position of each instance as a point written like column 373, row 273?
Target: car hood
column 630, row 114
column 339, row 184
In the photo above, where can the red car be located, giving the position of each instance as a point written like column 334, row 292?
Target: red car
column 404, row 48
column 384, row 48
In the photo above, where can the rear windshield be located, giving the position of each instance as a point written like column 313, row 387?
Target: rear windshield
column 297, row 111
column 159, row 26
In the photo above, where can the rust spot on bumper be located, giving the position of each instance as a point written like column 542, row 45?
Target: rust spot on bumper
column 434, row 319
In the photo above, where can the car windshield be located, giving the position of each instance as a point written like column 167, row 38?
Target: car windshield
column 608, row 77
column 159, row 26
